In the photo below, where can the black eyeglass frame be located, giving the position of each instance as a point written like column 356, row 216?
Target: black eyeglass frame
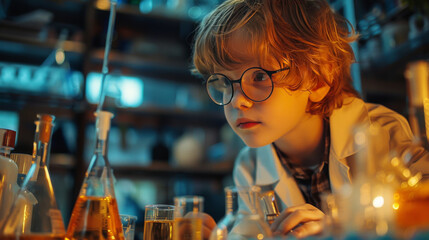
column 269, row 73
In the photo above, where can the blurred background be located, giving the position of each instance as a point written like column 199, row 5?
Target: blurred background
column 167, row 137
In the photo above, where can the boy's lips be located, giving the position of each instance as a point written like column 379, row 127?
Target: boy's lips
column 245, row 123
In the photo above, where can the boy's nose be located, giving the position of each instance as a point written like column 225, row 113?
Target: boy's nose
column 239, row 100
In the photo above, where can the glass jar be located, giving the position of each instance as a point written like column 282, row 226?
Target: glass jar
column 243, row 216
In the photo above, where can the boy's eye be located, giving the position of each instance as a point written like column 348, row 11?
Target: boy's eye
column 260, row 76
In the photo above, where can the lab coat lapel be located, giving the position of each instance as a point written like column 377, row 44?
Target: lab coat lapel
column 342, row 123
column 269, row 171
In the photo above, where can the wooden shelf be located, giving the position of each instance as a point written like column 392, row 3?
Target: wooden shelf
column 154, row 116
column 33, row 51
column 50, row 43
column 150, row 66
column 164, row 169
column 59, row 106
column 157, row 14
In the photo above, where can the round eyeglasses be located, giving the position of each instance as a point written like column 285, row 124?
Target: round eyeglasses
column 255, row 83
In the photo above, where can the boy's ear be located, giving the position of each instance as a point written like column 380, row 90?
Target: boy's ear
column 319, row 92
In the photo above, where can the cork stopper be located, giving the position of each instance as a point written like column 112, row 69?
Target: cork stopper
column 45, row 127
column 103, row 123
column 7, row 138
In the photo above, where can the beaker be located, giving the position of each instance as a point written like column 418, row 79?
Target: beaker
column 158, row 222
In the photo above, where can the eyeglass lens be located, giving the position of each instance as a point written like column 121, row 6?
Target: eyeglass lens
column 255, row 83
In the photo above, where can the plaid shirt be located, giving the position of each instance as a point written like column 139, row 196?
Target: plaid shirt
column 311, row 182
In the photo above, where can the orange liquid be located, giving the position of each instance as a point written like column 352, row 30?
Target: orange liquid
column 95, row 218
column 188, row 229
column 158, row 230
column 33, row 237
column 412, row 207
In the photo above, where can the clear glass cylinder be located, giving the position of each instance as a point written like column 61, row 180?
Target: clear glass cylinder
column 243, row 218
column 95, row 214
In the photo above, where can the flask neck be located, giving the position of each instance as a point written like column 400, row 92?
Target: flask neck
column 101, row 147
column 42, row 141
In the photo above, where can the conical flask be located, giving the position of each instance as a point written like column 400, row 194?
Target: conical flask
column 47, row 218
column 95, row 214
column 243, row 217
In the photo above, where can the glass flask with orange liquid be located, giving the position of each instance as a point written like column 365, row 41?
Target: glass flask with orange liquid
column 95, row 214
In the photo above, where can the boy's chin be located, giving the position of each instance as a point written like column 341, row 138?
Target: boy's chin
column 255, row 143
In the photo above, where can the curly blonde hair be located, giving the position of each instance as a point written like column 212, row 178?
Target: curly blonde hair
column 303, row 34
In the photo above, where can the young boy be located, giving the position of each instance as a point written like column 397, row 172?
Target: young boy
column 281, row 70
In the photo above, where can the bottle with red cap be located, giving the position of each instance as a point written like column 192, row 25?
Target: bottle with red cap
column 8, row 173
column 7, row 141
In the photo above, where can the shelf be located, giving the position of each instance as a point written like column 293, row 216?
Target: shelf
column 58, row 106
column 155, row 116
column 33, row 51
column 165, row 170
column 394, row 62
column 157, row 14
column 68, row 46
column 150, row 66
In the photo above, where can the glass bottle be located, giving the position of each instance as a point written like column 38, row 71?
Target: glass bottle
column 269, row 204
column 46, row 217
column 7, row 141
column 24, row 203
column 95, row 214
column 8, row 173
column 243, row 216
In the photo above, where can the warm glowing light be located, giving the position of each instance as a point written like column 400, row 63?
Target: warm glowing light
column 395, row 162
column 102, row 4
column 378, row 202
column 413, row 181
column 260, row 236
column 406, row 173
column 395, row 206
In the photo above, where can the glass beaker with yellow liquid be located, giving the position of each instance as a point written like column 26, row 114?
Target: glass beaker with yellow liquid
column 158, row 222
column 95, row 214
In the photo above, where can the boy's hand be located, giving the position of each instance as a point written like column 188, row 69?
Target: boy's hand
column 300, row 221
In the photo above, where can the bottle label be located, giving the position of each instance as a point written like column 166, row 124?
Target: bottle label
column 57, row 221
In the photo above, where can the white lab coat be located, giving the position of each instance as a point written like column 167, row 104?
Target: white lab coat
column 262, row 167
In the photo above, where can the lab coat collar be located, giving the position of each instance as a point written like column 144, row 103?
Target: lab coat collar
column 343, row 123
column 270, row 173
